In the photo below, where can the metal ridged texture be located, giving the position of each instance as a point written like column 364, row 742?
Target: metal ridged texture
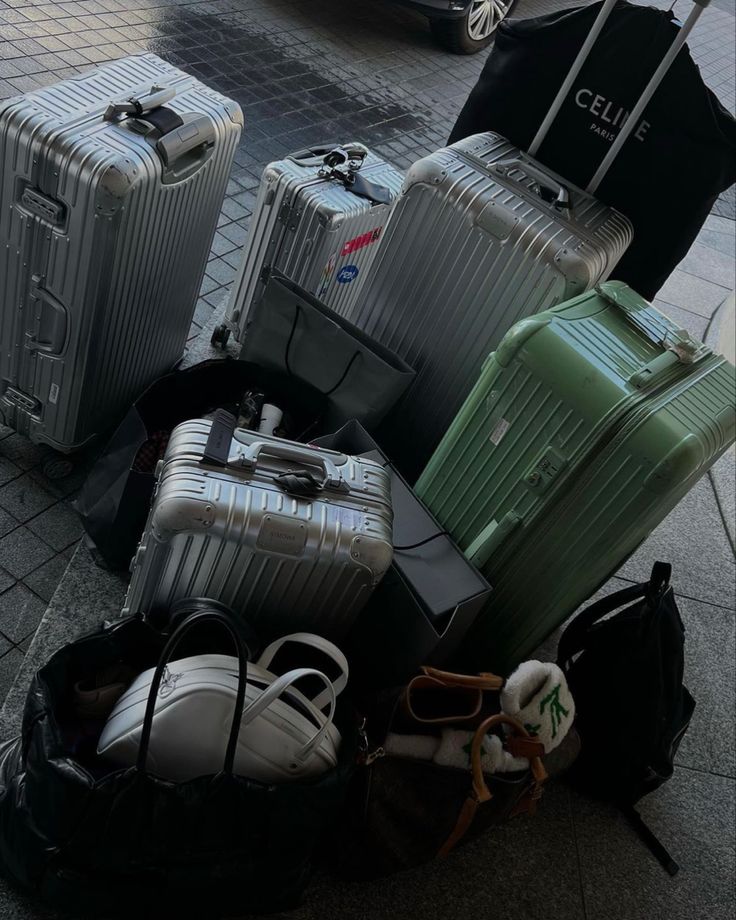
column 347, row 546
column 465, row 255
column 128, row 263
column 628, row 456
column 300, row 226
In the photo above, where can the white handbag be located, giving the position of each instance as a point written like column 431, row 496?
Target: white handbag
column 191, row 707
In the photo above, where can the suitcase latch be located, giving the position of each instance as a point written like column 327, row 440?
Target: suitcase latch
column 48, row 209
column 545, row 470
column 21, row 400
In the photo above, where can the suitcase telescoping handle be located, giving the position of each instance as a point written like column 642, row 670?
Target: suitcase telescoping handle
column 646, row 95
column 178, row 134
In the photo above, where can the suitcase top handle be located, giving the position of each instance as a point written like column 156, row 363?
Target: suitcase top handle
column 649, row 90
column 178, row 134
column 331, row 155
column 247, row 458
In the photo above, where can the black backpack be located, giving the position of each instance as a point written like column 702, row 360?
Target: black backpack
column 625, row 673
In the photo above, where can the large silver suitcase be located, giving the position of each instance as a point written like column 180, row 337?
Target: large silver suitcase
column 110, row 188
column 482, row 236
column 291, row 536
column 318, row 218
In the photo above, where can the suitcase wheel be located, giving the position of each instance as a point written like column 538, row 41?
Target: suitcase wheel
column 220, row 336
column 57, row 468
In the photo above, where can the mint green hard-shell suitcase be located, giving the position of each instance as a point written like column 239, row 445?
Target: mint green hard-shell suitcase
column 587, row 426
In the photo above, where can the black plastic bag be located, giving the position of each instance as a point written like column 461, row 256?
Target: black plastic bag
column 106, row 841
column 115, row 498
column 670, row 171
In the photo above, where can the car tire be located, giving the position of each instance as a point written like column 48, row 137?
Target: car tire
column 474, row 31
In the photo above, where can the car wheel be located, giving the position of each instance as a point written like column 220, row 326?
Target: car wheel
column 473, row 31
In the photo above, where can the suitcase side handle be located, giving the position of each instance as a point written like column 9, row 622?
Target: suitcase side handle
column 247, row 457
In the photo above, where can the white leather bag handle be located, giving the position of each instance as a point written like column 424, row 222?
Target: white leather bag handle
column 274, row 692
column 323, row 645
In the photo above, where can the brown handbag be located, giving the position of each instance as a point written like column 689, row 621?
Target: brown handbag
column 407, row 812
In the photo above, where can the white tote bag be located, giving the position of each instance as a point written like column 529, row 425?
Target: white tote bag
column 191, row 706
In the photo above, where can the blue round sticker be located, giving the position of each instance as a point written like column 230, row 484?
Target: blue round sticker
column 347, row 274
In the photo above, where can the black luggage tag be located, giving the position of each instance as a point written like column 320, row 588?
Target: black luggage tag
column 217, row 449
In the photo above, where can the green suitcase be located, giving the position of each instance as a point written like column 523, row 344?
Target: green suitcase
column 588, row 424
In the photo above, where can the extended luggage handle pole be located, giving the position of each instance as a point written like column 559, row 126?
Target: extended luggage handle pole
column 650, row 90
column 646, row 95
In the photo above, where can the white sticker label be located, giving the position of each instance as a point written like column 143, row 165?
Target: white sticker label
column 500, row 429
column 54, row 393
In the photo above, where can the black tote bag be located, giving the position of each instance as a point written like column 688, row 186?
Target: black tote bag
column 670, row 171
column 92, row 838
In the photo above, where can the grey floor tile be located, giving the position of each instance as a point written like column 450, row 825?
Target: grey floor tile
column 723, row 477
column 59, row 526
column 710, row 675
column 46, row 578
column 22, row 452
column 693, row 814
column 693, row 294
column 695, row 324
column 692, row 537
column 710, row 263
column 24, row 498
column 20, row 613
column 21, row 552
column 6, row 580
column 8, row 470
column 7, row 522
column 10, row 662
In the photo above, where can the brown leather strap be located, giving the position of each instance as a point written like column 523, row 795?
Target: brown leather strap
column 480, row 791
column 524, row 747
column 469, row 700
column 483, row 681
column 465, row 819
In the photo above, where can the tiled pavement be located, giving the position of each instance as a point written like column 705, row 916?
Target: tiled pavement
column 307, row 70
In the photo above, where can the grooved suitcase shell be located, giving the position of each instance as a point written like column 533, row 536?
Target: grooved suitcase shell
column 109, row 290
column 300, row 226
column 572, row 461
column 285, row 562
column 467, row 252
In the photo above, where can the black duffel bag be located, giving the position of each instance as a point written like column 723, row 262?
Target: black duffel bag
column 105, row 841
column 114, row 501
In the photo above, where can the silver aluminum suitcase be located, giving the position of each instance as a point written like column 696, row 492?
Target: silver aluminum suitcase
column 482, row 236
column 110, row 188
column 318, row 218
column 293, row 537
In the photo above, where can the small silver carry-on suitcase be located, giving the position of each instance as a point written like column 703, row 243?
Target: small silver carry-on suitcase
column 293, row 537
column 110, row 188
column 319, row 216
column 482, row 236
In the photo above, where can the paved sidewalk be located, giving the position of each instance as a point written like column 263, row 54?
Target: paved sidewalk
column 306, row 70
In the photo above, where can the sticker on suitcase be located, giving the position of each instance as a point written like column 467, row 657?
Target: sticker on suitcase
column 347, row 274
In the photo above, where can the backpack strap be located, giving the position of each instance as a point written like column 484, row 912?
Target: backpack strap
column 573, row 638
column 649, row 838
